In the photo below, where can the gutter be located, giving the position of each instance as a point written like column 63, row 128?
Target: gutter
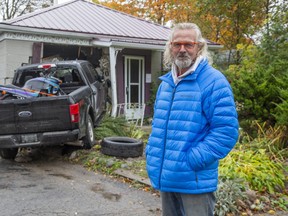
column 132, row 45
column 46, row 32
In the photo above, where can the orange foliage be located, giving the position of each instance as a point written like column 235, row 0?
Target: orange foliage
column 229, row 23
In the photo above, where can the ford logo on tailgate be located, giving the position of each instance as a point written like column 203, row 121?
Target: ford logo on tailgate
column 25, row 114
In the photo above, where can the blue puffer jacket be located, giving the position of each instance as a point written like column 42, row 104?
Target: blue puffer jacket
column 195, row 124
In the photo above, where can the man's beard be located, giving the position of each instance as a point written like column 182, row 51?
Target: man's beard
column 183, row 61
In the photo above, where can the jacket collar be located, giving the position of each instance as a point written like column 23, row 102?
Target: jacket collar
column 169, row 79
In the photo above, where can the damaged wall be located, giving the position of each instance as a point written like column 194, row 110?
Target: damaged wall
column 70, row 52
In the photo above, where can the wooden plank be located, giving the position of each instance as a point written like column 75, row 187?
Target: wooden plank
column 130, row 175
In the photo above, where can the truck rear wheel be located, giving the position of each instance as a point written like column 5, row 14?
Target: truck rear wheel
column 89, row 139
column 9, row 153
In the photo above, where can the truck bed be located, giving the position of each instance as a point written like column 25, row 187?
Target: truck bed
column 34, row 115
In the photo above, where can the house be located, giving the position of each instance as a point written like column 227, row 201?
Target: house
column 127, row 49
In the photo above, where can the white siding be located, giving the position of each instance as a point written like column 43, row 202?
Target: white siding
column 3, row 64
column 15, row 54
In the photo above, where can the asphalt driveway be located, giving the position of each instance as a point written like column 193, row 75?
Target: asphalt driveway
column 50, row 186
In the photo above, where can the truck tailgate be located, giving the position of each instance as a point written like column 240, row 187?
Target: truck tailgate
column 34, row 115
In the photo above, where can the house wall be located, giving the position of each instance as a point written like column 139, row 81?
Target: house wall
column 156, row 69
column 156, row 66
column 13, row 54
column 3, row 64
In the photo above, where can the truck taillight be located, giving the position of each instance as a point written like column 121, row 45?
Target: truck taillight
column 74, row 113
column 46, row 66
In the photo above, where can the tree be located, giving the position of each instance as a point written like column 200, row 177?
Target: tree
column 232, row 22
column 275, row 46
column 13, row 8
column 260, row 82
column 157, row 11
column 132, row 7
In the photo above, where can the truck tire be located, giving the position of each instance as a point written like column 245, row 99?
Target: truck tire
column 9, row 153
column 89, row 139
column 122, row 147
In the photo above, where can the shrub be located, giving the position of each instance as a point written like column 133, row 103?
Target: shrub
column 110, row 126
column 228, row 195
column 260, row 81
column 117, row 126
column 272, row 139
column 255, row 167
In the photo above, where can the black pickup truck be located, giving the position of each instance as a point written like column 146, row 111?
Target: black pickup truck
column 62, row 116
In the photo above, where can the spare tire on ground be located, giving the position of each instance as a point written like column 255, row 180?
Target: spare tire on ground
column 122, row 147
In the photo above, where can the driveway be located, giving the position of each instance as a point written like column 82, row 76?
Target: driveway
column 48, row 186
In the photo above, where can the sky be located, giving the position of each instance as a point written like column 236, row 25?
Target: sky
column 62, row 1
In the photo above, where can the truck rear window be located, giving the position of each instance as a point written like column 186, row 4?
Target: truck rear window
column 68, row 74
column 24, row 75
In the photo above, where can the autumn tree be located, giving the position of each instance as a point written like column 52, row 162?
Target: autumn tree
column 157, row 11
column 231, row 22
column 132, row 7
column 13, row 8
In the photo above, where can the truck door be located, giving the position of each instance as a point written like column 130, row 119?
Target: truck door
column 97, row 85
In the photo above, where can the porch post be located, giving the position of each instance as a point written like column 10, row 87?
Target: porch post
column 113, row 57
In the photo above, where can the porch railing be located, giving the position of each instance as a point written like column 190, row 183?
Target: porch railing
column 132, row 112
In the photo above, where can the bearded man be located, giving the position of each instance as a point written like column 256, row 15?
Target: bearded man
column 194, row 126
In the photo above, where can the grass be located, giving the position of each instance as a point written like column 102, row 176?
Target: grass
column 95, row 161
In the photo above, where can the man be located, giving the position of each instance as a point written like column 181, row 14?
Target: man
column 195, row 124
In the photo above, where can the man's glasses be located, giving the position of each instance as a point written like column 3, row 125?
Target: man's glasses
column 187, row 45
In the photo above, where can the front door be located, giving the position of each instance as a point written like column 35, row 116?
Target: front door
column 134, row 85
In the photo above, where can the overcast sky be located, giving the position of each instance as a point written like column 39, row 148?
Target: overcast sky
column 62, row 1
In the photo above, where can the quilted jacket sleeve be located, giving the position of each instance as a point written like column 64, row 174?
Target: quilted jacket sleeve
column 219, row 109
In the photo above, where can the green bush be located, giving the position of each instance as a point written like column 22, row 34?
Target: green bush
column 282, row 108
column 117, row 126
column 272, row 139
column 255, row 167
column 258, row 88
column 110, row 126
column 260, row 81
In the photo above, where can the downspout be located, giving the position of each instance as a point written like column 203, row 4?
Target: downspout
column 113, row 52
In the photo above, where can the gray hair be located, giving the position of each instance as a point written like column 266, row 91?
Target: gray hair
column 168, row 58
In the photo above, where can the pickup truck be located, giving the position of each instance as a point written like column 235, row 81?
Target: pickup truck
column 66, row 115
